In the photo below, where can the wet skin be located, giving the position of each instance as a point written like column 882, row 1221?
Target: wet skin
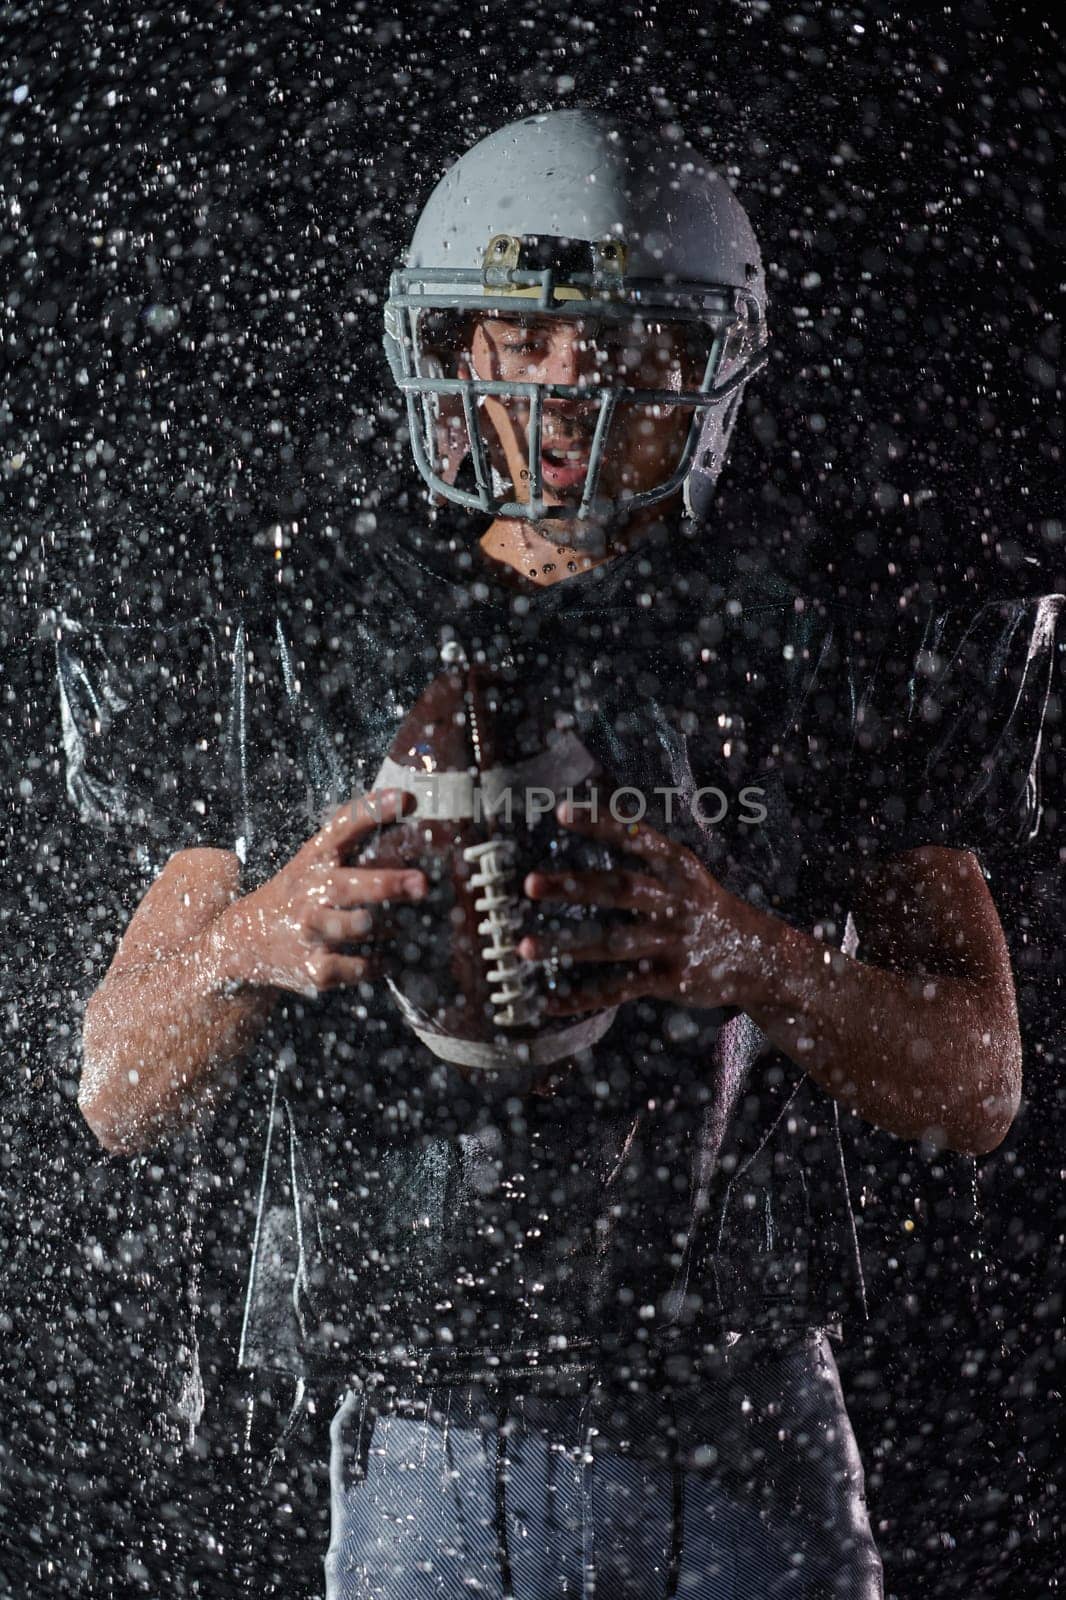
column 643, row 445
column 920, row 1035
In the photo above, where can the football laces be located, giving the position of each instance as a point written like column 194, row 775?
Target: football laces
column 511, row 980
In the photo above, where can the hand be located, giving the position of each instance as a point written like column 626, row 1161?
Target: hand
column 688, row 939
column 296, row 931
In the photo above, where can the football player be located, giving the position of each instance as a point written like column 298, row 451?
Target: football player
column 575, row 1333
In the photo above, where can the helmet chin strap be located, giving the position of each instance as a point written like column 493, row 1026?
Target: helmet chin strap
column 585, row 535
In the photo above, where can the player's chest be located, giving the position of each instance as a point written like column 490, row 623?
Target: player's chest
column 722, row 744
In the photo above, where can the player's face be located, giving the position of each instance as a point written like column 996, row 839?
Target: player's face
column 644, row 441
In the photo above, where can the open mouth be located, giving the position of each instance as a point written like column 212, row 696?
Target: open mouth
column 565, row 468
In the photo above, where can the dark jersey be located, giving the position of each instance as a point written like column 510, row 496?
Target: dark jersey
column 686, row 1179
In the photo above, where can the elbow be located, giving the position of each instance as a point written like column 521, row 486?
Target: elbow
column 106, row 1100
column 105, row 1133
column 989, row 1119
column 100, row 1126
column 987, row 1132
column 106, row 1128
column 96, row 1097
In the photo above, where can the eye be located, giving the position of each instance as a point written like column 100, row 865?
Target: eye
column 522, row 344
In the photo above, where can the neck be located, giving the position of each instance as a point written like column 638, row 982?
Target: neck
column 522, row 547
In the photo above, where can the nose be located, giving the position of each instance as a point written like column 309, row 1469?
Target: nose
column 571, row 359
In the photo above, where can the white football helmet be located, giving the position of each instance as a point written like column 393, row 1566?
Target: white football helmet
column 572, row 215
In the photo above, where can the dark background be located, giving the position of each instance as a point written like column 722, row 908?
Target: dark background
column 199, row 210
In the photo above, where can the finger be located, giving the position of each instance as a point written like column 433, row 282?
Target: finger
column 346, row 887
column 331, row 970
column 620, row 944
column 597, row 996
column 360, row 817
column 634, row 838
column 613, row 891
column 340, row 927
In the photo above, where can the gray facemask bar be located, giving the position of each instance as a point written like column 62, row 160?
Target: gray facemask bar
column 679, row 303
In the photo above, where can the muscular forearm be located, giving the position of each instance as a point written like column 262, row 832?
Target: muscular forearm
column 919, row 1035
column 160, row 1036
column 913, row 1054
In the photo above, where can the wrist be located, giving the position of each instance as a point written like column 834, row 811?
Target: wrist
column 233, row 953
column 744, row 968
column 783, row 967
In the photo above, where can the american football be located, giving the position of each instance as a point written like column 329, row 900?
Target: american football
column 486, row 765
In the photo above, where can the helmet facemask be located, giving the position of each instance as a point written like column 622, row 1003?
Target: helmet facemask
column 459, row 409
